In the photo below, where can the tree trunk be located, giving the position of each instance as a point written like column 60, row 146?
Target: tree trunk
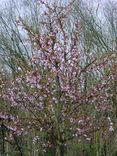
column 62, row 150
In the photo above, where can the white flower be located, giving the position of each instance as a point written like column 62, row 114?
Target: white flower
column 19, row 68
column 109, row 118
column 111, row 129
column 88, row 139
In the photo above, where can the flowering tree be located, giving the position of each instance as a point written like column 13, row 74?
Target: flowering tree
column 59, row 96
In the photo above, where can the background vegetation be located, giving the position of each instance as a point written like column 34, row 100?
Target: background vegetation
column 58, row 79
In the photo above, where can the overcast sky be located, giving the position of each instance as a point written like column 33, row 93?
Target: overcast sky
column 2, row 1
column 97, row 1
column 100, row 2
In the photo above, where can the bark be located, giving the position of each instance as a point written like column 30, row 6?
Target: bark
column 62, row 150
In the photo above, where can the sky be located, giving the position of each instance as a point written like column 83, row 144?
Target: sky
column 95, row 2
column 2, row 1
